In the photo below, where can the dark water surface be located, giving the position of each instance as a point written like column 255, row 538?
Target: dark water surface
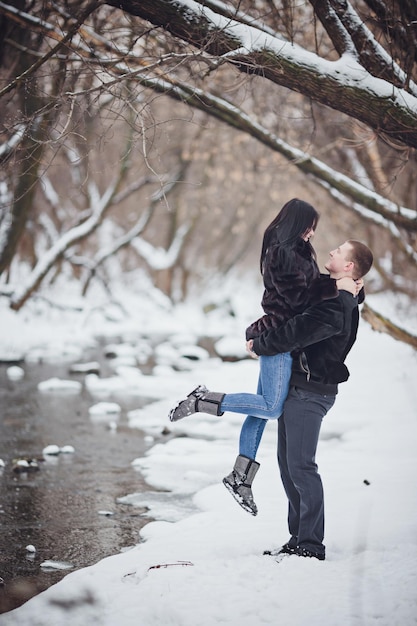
column 56, row 509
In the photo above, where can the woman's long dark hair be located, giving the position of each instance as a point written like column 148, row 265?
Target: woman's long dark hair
column 295, row 218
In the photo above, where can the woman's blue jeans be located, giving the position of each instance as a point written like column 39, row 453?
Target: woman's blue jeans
column 266, row 404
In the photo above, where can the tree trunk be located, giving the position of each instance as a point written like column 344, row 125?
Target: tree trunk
column 384, row 325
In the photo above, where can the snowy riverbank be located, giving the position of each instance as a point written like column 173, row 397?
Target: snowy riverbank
column 201, row 562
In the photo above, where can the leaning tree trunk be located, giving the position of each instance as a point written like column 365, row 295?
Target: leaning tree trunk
column 384, row 325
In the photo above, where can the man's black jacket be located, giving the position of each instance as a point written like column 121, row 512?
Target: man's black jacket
column 319, row 340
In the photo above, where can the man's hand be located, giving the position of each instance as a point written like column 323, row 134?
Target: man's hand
column 349, row 284
column 249, row 349
column 359, row 285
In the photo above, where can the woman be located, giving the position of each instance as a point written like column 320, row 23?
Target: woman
column 292, row 282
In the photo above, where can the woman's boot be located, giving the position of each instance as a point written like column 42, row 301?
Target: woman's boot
column 239, row 483
column 201, row 400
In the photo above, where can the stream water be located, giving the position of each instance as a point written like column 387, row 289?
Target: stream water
column 67, row 509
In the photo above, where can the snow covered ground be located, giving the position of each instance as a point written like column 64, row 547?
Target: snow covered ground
column 200, row 563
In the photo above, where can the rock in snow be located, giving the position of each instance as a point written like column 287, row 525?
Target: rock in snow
column 105, row 408
column 93, row 367
column 59, row 385
column 54, row 450
column 30, row 548
column 14, row 372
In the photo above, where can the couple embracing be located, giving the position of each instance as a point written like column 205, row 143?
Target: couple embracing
column 309, row 325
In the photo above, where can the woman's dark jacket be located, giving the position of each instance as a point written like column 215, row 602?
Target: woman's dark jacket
column 319, row 340
column 292, row 282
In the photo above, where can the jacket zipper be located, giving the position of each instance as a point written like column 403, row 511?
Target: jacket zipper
column 304, row 365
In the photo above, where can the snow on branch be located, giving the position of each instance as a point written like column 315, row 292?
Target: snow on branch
column 371, row 54
column 239, row 16
column 374, row 218
column 126, row 239
column 67, row 240
column 344, row 85
column 334, row 27
column 158, row 258
column 218, row 107
column 222, row 109
column 50, row 193
column 8, row 146
column 5, row 225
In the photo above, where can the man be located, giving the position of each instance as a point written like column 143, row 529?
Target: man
column 319, row 339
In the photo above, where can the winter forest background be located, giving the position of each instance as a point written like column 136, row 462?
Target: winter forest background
column 144, row 147
column 161, row 138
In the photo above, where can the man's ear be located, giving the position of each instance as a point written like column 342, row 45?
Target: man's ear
column 349, row 266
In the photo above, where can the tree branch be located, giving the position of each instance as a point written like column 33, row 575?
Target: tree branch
column 220, row 108
column 69, row 239
column 12, row 12
column 344, row 86
column 384, row 325
column 404, row 37
column 371, row 54
column 334, row 27
column 215, row 106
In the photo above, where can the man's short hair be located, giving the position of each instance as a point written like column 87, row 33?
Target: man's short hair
column 362, row 257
